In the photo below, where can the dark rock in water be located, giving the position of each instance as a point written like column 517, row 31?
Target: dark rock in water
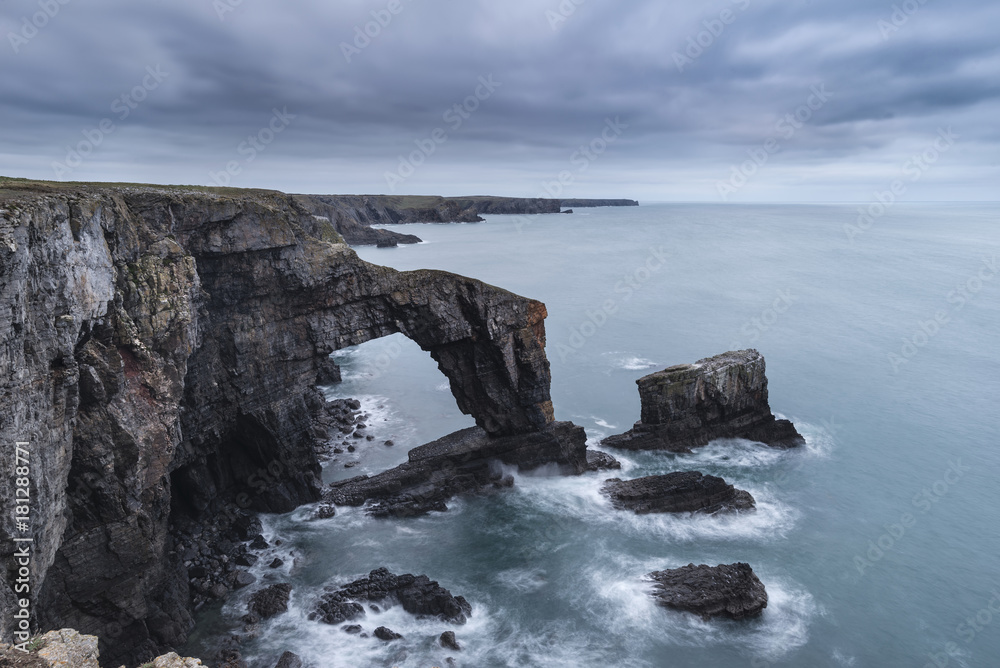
column 325, row 511
column 336, row 610
column 383, row 633
column 568, row 211
column 246, row 559
column 726, row 590
column 243, row 579
column 417, row 594
column 277, row 563
column 228, row 654
column 270, row 601
column 683, row 491
column 390, row 443
column 289, row 660
column 601, row 461
column 353, row 629
column 327, row 372
column 448, row 641
column 688, row 405
column 259, row 543
column 466, row 461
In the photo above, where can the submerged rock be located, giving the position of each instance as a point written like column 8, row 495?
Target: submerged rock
column 417, row 594
column 387, row 634
column 725, row 590
column 683, row 491
column 688, row 405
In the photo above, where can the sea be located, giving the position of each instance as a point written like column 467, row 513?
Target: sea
column 878, row 541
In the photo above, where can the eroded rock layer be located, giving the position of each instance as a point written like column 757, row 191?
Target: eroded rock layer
column 688, row 405
column 679, row 492
column 731, row 590
column 465, row 461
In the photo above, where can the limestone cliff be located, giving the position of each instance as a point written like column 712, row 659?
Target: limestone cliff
column 159, row 348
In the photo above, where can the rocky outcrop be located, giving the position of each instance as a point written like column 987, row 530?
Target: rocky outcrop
column 688, row 405
column 466, row 461
column 585, row 203
column 417, row 594
column 732, row 590
column 680, row 492
column 67, row 648
column 353, row 215
column 159, row 348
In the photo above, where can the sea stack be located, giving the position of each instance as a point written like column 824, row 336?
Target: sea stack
column 688, row 405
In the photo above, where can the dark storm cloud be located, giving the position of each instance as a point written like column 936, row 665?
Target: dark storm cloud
column 697, row 87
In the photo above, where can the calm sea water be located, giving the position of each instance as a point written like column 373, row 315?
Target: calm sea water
column 878, row 541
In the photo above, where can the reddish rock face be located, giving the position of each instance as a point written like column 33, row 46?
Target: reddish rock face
column 688, row 405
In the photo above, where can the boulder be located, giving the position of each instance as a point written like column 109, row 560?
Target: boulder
column 601, row 461
column 270, row 601
column 383, row 633
column 448, row 641
column 688, row 405
column 289, row 660
column 680, row 492
column 731, row 590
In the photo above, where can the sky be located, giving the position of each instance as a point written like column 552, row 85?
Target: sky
column 721, row 101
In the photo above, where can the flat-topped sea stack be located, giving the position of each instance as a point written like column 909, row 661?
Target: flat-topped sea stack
column 731, row 590
column 688, row 405
column 679, row 492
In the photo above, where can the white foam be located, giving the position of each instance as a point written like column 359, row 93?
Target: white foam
column 522, row 579
column 629, row 361
column 580, row 498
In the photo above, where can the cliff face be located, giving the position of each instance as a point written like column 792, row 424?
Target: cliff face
column 353, row 215
column 159, row 349
column 689, row 405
